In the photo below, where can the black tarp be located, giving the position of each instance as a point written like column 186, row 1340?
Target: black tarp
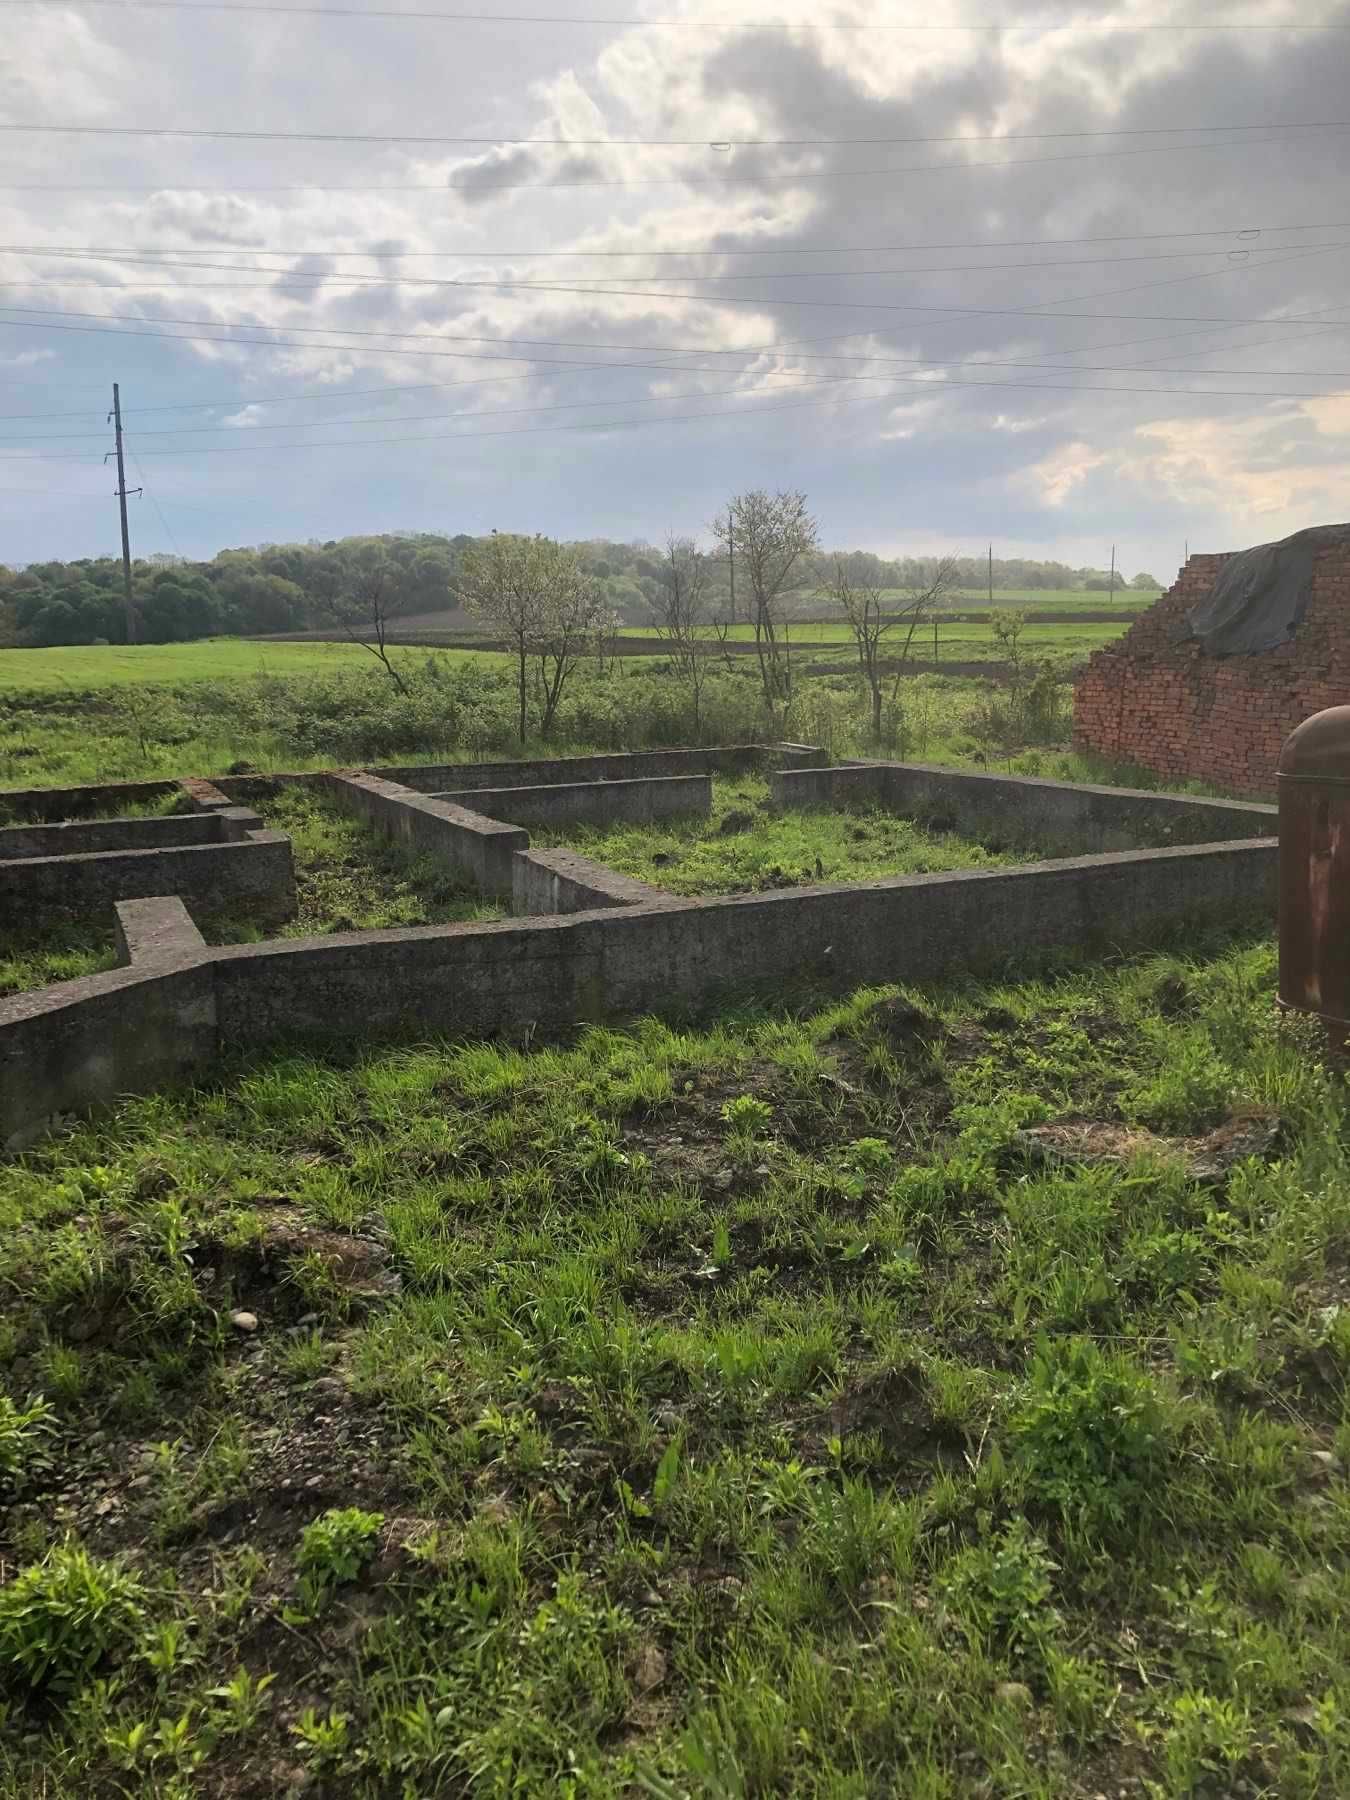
column 1261, row 594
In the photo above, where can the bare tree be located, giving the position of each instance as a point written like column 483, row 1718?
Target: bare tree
column 573, row 613
column 768, row 536
column 536, row 594
column 365, row 607
column 884, row 631
column 683, row 613
column 502, row 582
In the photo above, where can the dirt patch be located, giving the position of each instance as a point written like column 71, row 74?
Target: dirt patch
column 1208, row 1159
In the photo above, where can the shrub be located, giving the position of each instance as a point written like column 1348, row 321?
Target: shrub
column 60, row 1617
column 1090, row 1433
column 1002, row 1592
column 23, row 1434
column 747, row 1113
column 334, row 1548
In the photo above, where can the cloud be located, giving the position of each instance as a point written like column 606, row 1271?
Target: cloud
column 1066, row 468
column 1069, row 444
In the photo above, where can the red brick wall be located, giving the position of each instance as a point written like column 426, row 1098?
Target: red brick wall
column 1151, row 700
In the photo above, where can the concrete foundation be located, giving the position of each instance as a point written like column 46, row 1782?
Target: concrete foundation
column 86, row 1043
column 1024, row 810
column 593, row 945
column 618, row 765
column 476, row 849
column 644, row 801
column 561, row 881
column 242, row 870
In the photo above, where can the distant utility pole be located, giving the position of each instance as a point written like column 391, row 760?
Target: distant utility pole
column 991, row 575
column 1111, row 590
column 116, row 416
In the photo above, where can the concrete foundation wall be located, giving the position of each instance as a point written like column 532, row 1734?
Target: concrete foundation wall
column 83, row 837
column 85, row 1043
column 50, row 805
column 476, row 849
column 1048, row 815
column 643, row 801
column 253, row 877
column 731, row 759
column 547, row 974
column 561, row 881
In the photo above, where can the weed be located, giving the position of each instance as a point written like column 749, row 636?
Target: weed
column 334, row 1548
column 25, row 1434
column 1090, row 1434
column 59, row 1618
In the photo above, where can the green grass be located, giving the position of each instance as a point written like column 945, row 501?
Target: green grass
column 737, row 1412
column 54, row 953
column 83, row 668
column 744, row 847
column 350, row 878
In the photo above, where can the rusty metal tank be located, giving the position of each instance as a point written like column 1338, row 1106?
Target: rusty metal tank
column 1314, row 794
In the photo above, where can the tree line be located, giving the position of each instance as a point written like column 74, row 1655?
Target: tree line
column 295, row 587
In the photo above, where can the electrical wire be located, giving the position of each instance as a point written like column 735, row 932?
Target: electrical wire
column 413, row 15
column 1244, row 232
column 759, row 388
column 604, row 425
column 968, row 365
column 751, row 179
column 149, row 493
column 615, row 143
column 321, row 280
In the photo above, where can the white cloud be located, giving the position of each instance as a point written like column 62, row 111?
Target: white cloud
column 1050, row 465
column 1057, row 475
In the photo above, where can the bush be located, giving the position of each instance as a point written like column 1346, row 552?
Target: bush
column 1090, row 1433
column 1003, row 1592
column 23, row 1434
column 59, row 1618
column 334, row 1548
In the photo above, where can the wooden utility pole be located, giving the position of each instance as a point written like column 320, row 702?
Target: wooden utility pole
column 116, row 416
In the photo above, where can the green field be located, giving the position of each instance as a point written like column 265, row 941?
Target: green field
column 81, row 668
column 938, row 1394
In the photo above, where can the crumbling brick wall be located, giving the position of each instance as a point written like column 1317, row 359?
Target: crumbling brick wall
column 1155, row 699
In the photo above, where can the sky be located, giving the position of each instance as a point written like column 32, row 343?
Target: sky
column 1073, row 282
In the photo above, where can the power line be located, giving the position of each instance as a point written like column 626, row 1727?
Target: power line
column 849, row 305
column 35, row 314
column 159, row 511
column 412, row 15
column 615, row 143
column 386, row 350
column 968, row 365
column 783, row 350
column 610, row 424
column 307, row 282
column 760, row 387
column 319, row 286
column 753, row 179
column 1245, row 232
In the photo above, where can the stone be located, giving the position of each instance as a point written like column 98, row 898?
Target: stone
column 244, row 1321
column 1013, row 1693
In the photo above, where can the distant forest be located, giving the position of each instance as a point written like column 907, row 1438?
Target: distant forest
column 298, row 587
